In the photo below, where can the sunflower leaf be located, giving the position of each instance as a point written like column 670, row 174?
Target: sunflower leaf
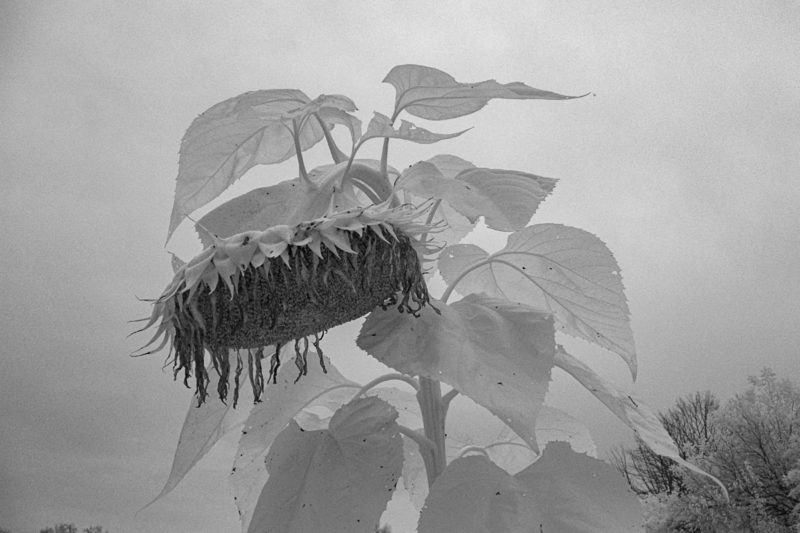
column 429, row 93
column 474, row 495
column 634, row 413
column 577, row 493
column 381, row 126
column 506, row 198
column 230, row 138
column 565, row 270
column 281, row 401
column 203, row 427
column 497, row 352
column 339, row 479
column 291, row 202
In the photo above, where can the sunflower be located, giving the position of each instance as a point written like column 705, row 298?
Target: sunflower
column 261, row 289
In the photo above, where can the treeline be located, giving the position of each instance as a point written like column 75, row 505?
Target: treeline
column 751, row 443
column 66, row 528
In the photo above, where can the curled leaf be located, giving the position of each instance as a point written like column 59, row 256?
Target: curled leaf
column 381, row 126
column 636, row 415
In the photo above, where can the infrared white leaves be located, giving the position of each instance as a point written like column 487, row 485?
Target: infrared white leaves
column 339, row 479
column 281, row 401
column 561, row 491
column 291, row 202
column 499, row 353
column 473, row 495
column 202, row 428
column 634, row 413
column 566, row 271
column 507, row 199
column 228, row 139
column 470, row 425
column 429, row 93
column 577, row 493
column 381, row 126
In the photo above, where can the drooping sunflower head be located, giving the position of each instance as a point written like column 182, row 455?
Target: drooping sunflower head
column 258, row 290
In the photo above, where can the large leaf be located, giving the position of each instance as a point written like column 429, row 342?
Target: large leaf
column 280, row 403
column 506, row 198
column 291, row 202
column 224, row 142
column 497, row 352
column 575, row 493
column 565, row 270
column 429, row 93
column 338, row 479
column 637, row 415
column 381, row 126
column 203, row 427
column 473, row 495
column 471, row 425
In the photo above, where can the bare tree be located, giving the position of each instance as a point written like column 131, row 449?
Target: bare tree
column 752, row 445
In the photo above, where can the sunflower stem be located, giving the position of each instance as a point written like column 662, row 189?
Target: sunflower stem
column 299, row 153
column 422, row 441
column 433, row 418
column 337, row 155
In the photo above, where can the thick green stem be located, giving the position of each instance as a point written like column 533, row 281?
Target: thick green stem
column 429, row 397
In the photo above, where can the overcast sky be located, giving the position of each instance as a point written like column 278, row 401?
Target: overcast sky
column 685, row 162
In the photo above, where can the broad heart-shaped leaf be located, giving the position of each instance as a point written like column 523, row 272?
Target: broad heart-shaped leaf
column 473, row 495
column 497, row 352
column 293, row 201
column 566, row 270
column 429, row 93
column 381, row 126
column 203, row 427
column 280, row 403
column 575, row 493
column 506, row 198
column 638, row 416
column 338, row 479
column 224, row 142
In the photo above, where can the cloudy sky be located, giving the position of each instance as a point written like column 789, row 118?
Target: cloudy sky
column 685, row 162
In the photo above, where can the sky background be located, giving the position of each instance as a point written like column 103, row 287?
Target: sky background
column 685, row 162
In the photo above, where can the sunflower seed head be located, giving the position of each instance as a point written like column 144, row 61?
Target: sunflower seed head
column 286, row 285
